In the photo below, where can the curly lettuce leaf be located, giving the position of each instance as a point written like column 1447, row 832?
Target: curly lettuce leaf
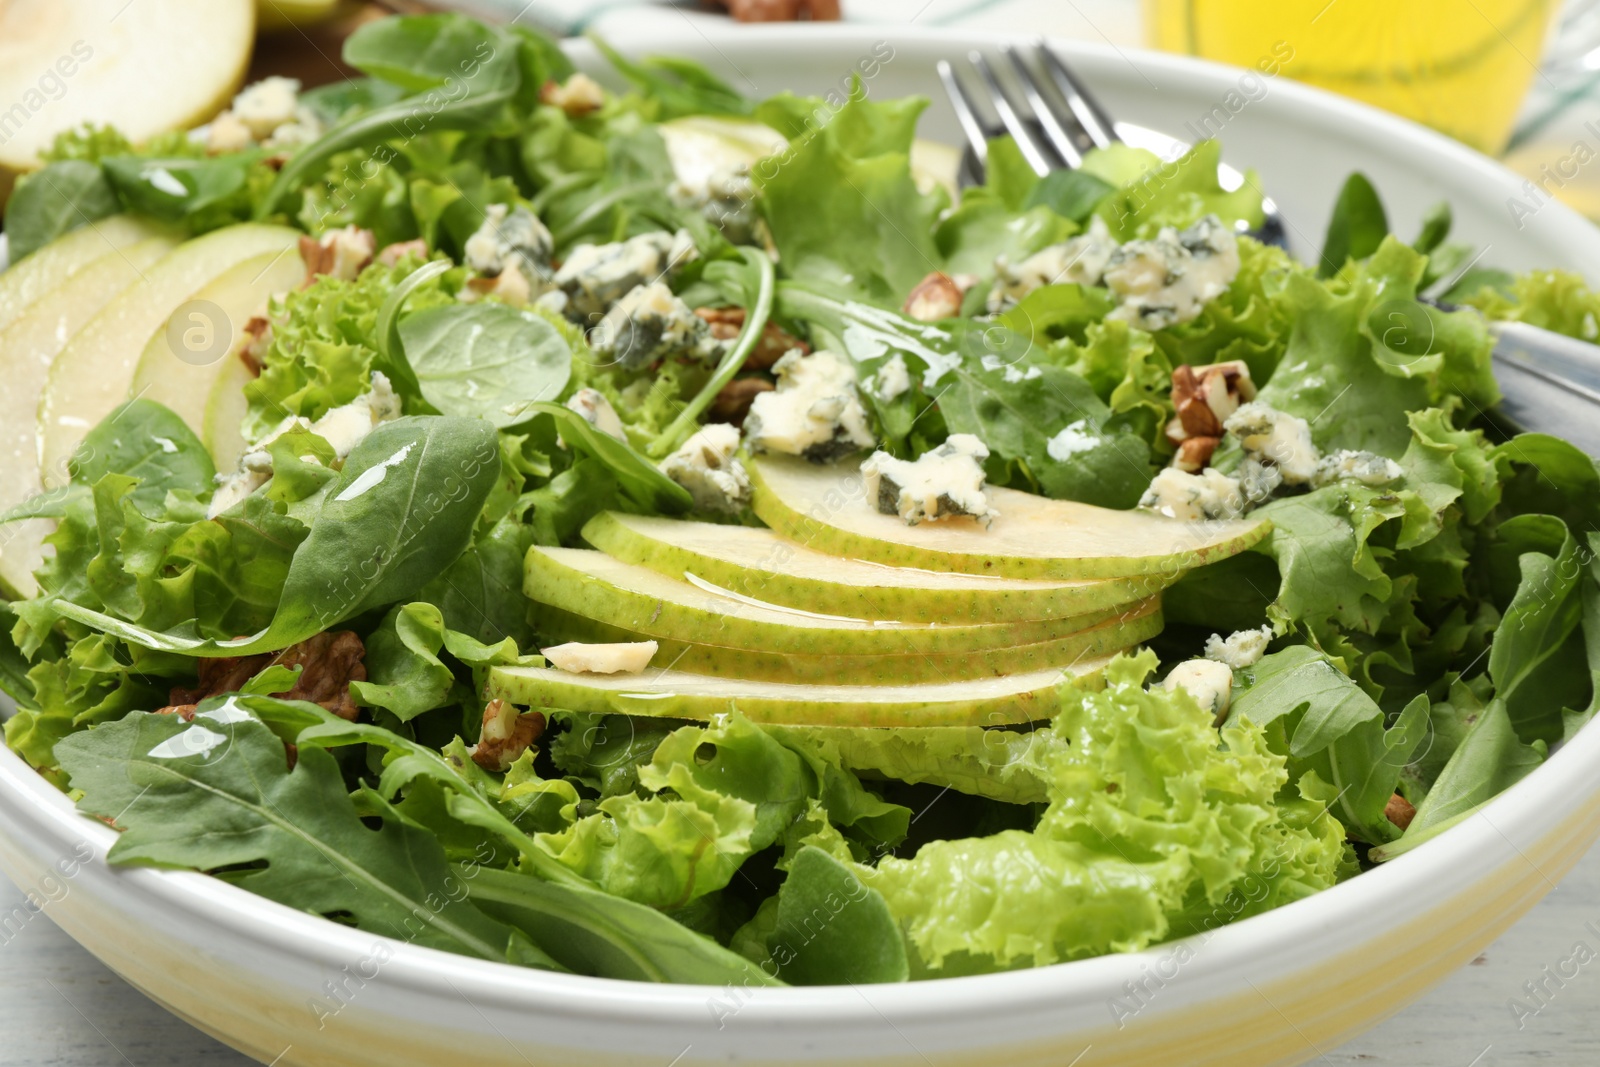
column 1151, row 824
column 1555, row 300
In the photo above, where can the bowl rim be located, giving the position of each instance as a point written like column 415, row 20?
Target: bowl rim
column 1278, row 941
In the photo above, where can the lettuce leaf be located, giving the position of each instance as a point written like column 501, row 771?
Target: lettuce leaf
column 1151, row 825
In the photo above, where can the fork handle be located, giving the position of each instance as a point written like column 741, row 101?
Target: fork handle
column 1549, row 381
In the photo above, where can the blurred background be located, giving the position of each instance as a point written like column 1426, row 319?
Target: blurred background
column 1514, row 78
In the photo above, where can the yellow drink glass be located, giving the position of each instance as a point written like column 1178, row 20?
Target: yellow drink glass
column 1460, row 66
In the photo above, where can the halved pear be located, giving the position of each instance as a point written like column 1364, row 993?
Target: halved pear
column 1015, row 698
column 30, row 278
column 826, row 508
column 27, row 348
column 759, row 563
column 182, row 378
column 1111, row 631
column 595, row 586
column 92, row 374
column 141, row 67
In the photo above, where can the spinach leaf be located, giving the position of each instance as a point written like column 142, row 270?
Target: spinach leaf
column 176, row 189
column 218, row 793
column 592, row 932
column 1072, row 194
column 386, row 328
column 340, row 100
column 480, row 594
column 1357, row 227
column 1435, row 228
column 145, row 440
column 422, row 51
column 58, row 199
column 638, row 478
column 832, row 928
column 485, row 360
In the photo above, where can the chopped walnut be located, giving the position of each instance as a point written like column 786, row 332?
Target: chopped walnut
column 1399, row 811
column 1205, row 396
column 935, row 297
column 578, row 95
column 328, row 663
column 394, row 253
column 1194, row 453
column 253, row 352
column 732, row 402
column 510, row 285
column 775, row 343
column 507, row 733
column 782, row 10
column 342, row 253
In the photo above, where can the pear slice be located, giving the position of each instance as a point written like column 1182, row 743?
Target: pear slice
column 595, row 586
column 24, row 282
column 758, row 563
column 1123, row 628
column 826, row 509
column 27, row 348
column 1015, row 698
column 182, row 377
column 92, row 374
column 225, row 412
column 143, row 68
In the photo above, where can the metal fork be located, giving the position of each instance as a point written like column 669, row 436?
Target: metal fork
column 1056, row 120
column 1547, row 381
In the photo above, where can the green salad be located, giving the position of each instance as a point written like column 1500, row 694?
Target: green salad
column 651, row 533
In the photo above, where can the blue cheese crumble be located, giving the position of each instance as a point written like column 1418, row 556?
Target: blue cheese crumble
column 814, row 412
column 941, row 484
column 1079, row 261
column 513, row 247
column 1368, row 468
column 1166, row 281
column 1194, row 497
column 648, row 324
column 705, row 465
column 597, row 411
column 1275, row 438
column 595, row 277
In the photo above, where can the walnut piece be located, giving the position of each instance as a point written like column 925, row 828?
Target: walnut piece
column 935, row 297
column 328, row 663
column 254, row 351
column 579, row 95
column 782, row 10
column 775, row 343
column 1399, row 811
column 1194, row 453
column 507, row 733
column 394, row 253
column 342, row 253
column 1205, row 396
column 732, row 403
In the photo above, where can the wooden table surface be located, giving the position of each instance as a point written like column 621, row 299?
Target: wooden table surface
column 59, row 1007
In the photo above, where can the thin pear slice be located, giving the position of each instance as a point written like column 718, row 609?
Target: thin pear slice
column 594, row 585
column 225, row 411
column 826, row 509
column 27, row 348
column 143, row 68
column 1124, row 628
column 92, row 374
column 182, row 376
column 1016, row 698
column 759, row 563
column 30, row 278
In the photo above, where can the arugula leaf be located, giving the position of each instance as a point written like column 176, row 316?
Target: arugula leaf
column 422, row 51
column 485, row 360
column 1537, row 659
column 1358, row 226
column 178, row 189
column 217, row 794
column 677, row 86
column 54, row 201
column 640, row 479
column 1489, row 761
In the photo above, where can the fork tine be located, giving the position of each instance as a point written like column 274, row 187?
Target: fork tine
column 973, row 127
column 1048, row 116
column 1026, row 142
column 1096, row 121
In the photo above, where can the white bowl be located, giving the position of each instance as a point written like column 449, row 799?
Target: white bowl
column 1280, row 988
